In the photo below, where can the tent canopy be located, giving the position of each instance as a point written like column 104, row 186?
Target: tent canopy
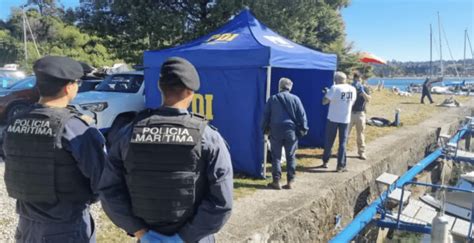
column 244, row 41
column 234, row 67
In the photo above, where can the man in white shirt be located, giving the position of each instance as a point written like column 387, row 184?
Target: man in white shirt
column 340, row 97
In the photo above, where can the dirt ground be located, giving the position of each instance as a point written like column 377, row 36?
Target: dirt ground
column 383, row 104
column 307, row 213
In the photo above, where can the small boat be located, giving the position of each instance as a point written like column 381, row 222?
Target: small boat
column 457, row 204
column 441, row 90
column 398, row 209
column 415, row 88
column 468, row 177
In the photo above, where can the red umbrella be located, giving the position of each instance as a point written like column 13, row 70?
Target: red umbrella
column 371, row 58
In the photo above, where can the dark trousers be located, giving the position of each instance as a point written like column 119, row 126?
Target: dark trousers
column 427, row 93
column 290, row 142
column 80, row 231
column 331, row 130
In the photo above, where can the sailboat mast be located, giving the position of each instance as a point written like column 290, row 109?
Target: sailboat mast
column 431, row 51
column 464, row 60
column 24, row 39
column 440, row 46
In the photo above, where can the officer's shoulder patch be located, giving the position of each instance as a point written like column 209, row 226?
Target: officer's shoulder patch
column 197, row 115
column 213, row 127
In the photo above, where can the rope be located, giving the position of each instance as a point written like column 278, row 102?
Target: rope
column 470, row 46
column 449, row 49
column 436, row 46
column 31, row 32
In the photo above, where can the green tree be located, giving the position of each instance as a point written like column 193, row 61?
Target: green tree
column 47, row 7
column 148, row 24
column 54, row 37
column 9, row 48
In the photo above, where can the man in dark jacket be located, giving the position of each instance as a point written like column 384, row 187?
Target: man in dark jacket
column 53, row 160
column 284, row 116
column 426, row 91
column 170, row 173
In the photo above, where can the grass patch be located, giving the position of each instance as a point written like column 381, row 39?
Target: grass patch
column 107, row 231
column 383, row 104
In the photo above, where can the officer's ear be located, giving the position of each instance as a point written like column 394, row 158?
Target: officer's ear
column 69, row 88
column 188, row 94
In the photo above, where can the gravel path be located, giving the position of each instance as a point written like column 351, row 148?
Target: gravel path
column 8, row 217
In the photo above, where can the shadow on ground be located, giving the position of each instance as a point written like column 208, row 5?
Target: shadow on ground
column 410, row 103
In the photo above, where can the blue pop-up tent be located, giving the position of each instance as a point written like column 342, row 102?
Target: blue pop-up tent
column 239, row 66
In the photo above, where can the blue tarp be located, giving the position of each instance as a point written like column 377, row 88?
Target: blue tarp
column 232, row 63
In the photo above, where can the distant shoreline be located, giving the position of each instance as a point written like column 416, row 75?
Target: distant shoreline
column 421, row 78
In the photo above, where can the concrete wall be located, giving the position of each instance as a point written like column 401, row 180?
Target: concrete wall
column 307, row 213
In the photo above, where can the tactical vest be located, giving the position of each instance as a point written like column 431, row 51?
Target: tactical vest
column 37, row 169
column 165, row 172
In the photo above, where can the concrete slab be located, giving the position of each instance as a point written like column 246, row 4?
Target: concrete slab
column 407, row 219
column 451, row 220
column 396, row 195
column 426, row 215
column 411, row 210
column 461, row 228
column 387, row 179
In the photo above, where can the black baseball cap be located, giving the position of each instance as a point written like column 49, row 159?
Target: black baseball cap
column 57, row 68
column 179, row 70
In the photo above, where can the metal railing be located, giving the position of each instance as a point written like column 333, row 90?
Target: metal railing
column 366, row 216
column 440, row 187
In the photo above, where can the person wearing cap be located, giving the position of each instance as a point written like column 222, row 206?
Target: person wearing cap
column 170, row 173
column 340, row 97
column 284, row 118
column 53, row 160
column 426, row 90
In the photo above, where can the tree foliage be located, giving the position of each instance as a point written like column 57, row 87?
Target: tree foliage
column 47, row 7
column 53, row 37
column 100, row 31
column 453, row 68
column 149, row 24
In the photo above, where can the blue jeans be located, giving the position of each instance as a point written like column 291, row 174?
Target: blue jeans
column 290, row 142
column 331, row 130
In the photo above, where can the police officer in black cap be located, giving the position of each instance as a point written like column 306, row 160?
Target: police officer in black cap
column 170, row 177
column 53, row 160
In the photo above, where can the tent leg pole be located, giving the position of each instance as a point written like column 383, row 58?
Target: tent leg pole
column 269, row 82
column 265, row 137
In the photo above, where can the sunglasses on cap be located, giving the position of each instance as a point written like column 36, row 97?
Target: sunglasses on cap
column 78, row 81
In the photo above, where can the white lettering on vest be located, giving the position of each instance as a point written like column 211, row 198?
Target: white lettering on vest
column 31, row 127
column 163, row 135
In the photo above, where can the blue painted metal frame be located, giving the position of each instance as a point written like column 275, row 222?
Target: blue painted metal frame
column 392, row 224
column 366, row 216
column 443, row 187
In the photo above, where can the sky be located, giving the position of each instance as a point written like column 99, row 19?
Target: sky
column 400, row 29
column 6, row 5
column 391, row 29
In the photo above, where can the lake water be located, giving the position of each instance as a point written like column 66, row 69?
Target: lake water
column 403, row 83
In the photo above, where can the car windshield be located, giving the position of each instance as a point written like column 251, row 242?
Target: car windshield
column 124, row 83
column 13, row 74
column 6, row 82
column 26, row 83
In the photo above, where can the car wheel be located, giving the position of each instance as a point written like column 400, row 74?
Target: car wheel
column 16, row 109
column 119, row 122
